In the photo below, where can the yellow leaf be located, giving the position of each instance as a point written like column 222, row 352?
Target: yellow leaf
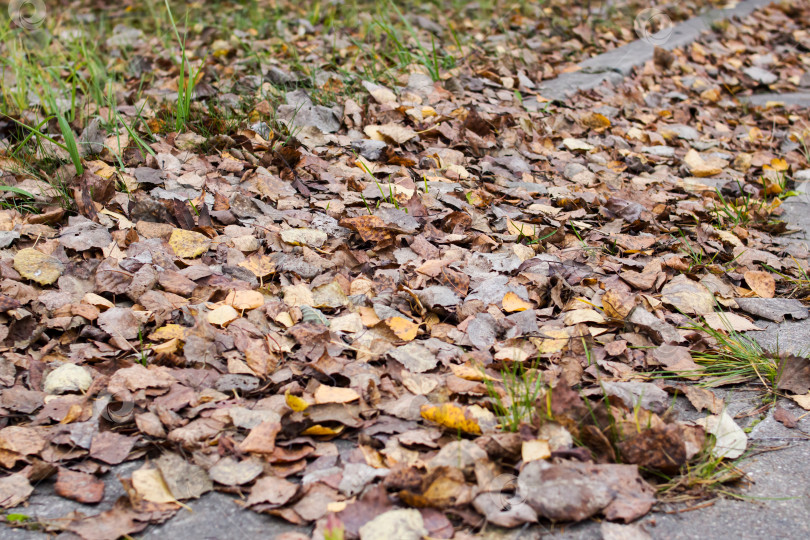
column 223, row 315
column 285, row 319
column 402, row 327
column 526, row 230
column 98, row 301
column 34, row 265
column 169, row 331
column 512, row 302
column 151, row 487
column 577, row 316
column 778, row 164
column 188, row 244
column 534, row 450
column 700, row 167
column 337, row 506
column 322, row 430
column 73, row 414
column 470, row 373
column 451, row 416
column 295, row 403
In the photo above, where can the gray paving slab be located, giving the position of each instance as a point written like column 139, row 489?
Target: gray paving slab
column 613, row 65
column 801, row 99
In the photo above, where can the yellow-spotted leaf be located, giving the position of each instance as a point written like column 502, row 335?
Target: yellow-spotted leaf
column 188, row 244
column 34, row 265
column 169, row 331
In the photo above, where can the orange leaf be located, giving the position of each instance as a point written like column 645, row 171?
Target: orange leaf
column 512, row 302
column 402, row 327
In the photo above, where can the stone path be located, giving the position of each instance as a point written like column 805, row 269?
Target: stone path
column 614, row 65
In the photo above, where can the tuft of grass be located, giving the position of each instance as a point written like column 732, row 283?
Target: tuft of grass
column 705, row 474
column 70, row 145
column 187, row 79
column 734, row 213
column 735, row 358
column 431, row 60
column 698, row 257
column 521, row 388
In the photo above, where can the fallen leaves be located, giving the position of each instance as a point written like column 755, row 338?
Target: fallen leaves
column 394, row 133
column 78, row 486
column 687, row 296
column 513, row 303
column 403, row 328
column 701, row 167
column 150, row 486
column 257, row 295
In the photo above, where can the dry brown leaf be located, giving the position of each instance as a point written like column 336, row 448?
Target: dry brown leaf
column 761, row 283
